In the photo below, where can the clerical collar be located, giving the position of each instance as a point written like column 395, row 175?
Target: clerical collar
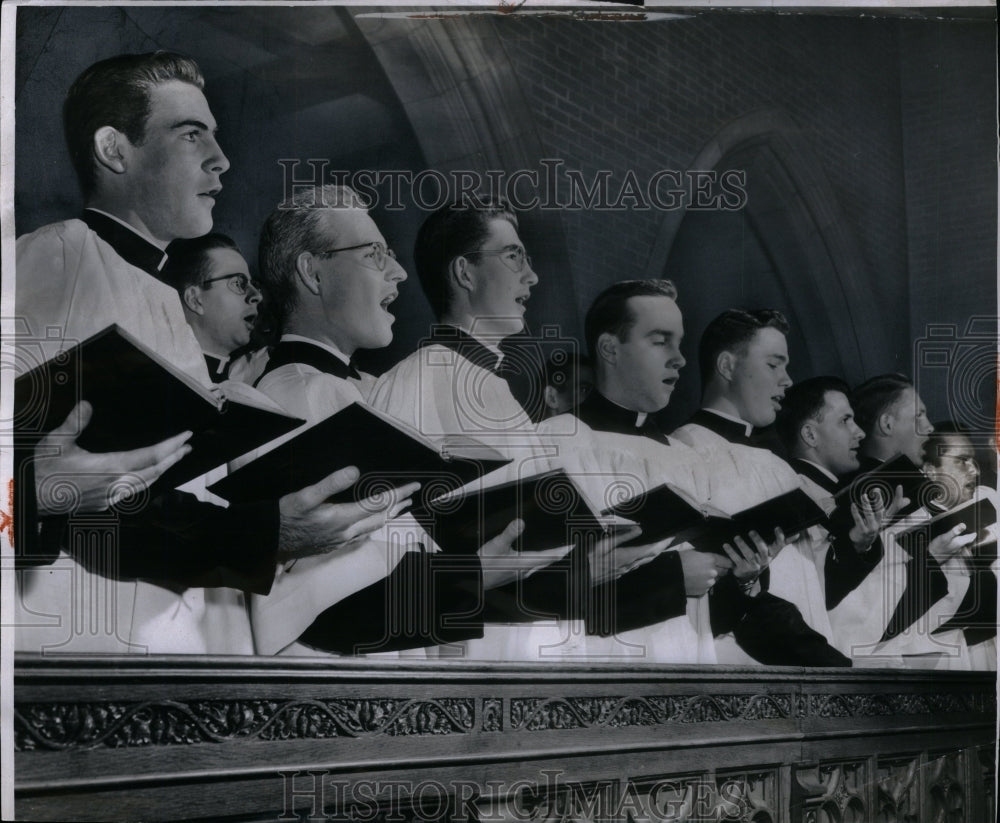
column 129, row 243
column 602, row 414
column 299, row 338
column 218, row 367
column 461, row 342
column 293, row 348
column 818, row 474
column 748, row 427
column 733, row 429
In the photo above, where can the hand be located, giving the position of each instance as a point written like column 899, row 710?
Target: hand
column 749, row 563
column 310, row 525
column 701, row 570
column 945, row 546
column 872, row 516
column 502, row 564
column 609, row 559
column 70, row 479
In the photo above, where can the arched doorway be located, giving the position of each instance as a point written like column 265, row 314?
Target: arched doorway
column 788, row 248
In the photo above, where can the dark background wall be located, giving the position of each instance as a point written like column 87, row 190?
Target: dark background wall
column 869, row 146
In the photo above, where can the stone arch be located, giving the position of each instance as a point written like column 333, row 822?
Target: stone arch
column 816, row 258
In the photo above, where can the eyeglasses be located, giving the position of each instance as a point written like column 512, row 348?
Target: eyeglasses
column 513, row 257
column 378, row 256
column 238, row 283
column 967, row 460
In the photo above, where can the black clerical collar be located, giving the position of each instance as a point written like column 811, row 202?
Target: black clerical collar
column 602, row 414
column 131, row 246
column 464, row 344
column 218, row 369
column 309, row 354
column 732, row 430
column 816, row 474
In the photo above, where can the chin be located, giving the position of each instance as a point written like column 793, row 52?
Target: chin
column 766, row 419
column 380, row 341
column 197, row 228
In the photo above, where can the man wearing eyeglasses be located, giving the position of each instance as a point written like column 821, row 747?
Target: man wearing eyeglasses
column 477, row 276
column 142, row 139
column 220, row 301
column 478, row 279
column 331, row 277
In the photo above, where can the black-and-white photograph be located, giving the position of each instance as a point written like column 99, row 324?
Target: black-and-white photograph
column 506, row 411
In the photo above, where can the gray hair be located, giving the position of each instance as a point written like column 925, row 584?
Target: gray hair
column 292, row 228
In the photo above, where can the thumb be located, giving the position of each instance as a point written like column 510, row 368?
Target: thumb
column 512, row 532
column 76, row 421
column 503, row 543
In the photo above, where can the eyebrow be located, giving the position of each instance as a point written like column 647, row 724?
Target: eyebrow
column 196, row 123
column 781, row 358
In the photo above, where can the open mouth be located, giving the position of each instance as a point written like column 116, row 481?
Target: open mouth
column 250, row 320
column 522, row 300
column 776, row 399
column 670, row 381
column 387, row 301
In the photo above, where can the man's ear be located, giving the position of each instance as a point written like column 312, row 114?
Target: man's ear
column 807, row 434
column 192, row 299
column 885, row 423
column 551, row 397
column 305, row 269
column 110, row 149
column 725, row 365
column 607, row 347
column 460, row 274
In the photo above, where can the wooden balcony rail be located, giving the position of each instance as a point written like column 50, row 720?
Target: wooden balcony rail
column 399, row 742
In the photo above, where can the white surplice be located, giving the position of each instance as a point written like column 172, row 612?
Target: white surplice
column 72, row 284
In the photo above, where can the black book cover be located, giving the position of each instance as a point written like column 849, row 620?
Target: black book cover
column 385, row 452
column 977, row 515
column 897, row 471
column 138, row 400
column 553, row 511
column 664, row 512
column 792, row 512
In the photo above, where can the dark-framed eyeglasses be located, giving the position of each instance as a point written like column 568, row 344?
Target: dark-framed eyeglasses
column 238, row 283
column 967, row 460
column 377, row 259
column 513, row 257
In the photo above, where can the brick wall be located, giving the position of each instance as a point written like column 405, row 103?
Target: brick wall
column 951, row 194
column 646, row 97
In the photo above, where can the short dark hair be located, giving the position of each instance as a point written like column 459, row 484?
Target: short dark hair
column 187, row 259
column 292, row 228
column 874, row 396
column 732, row 331
column 610, row 311
column 115, row 92
column 451, row 231
column 804, row 401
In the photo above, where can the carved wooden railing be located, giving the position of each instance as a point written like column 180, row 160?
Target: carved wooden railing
column 186, row 738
